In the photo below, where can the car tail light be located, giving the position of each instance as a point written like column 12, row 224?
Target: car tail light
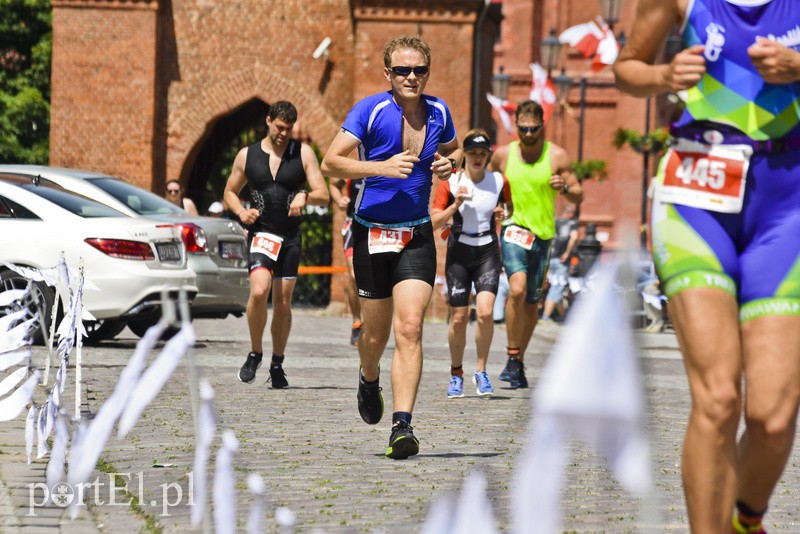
column 120, row 248
column 194, row 238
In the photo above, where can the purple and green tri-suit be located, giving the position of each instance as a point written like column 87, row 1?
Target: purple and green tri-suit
column 754, row 254
column 392, row 203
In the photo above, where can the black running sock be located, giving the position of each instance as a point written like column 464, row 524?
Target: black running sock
column 401, row 416
column 457, row 371
column 747, row 516
column 277, row 362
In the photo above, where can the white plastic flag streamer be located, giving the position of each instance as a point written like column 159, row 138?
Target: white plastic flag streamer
column 11, row 319
column 30, row 431
column 254, row 521
column 473, row 511
column 440, row 516
column 84, row 454
column 17, row 336
column 55, row 467
column 224, row 488
column 10, row 359
column 12, row 406
column 13, row 295
column 206, row 427
column 11, row 381
column 154, row 378
column 41, row 424
column 590, row 388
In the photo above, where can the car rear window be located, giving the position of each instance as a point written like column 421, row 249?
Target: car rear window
column 79, row 205
column 139, row 200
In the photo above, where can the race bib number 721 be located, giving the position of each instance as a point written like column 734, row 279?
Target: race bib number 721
column 710, row 177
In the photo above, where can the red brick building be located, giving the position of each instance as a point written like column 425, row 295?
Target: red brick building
column 149, row 90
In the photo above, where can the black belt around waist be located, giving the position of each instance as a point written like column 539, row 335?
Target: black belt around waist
column 721, row 134
column 479, row 234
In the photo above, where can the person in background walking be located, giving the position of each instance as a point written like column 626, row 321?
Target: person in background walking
column 564, row 242
column 344, row 194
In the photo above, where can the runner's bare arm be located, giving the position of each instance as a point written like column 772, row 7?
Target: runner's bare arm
column 563, row 175
column 236, row 181
column 318, row 190
column 499, row 158
column 441, row 166
column 338, row 198
column 336, row 162
column 440, row 216
column 635, row 70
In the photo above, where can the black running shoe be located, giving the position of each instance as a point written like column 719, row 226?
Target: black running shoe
column 516, row 375
column 354, row 333
column 370, row 402
column 402, row 442
column 277, row 377
column 248, row 371
column 504, row 374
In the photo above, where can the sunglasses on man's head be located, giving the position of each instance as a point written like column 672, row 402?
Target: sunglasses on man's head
column 529, row 129
column 405, row 71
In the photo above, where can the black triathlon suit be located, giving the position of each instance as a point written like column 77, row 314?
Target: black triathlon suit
column 271, row 196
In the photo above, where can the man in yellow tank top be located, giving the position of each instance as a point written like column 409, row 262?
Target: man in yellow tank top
column 537, row 171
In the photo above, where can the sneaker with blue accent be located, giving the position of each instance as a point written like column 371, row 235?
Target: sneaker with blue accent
column 456, row 388
column 481, row 380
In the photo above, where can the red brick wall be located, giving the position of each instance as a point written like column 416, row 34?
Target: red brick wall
column 103, row 84
column 617, row 201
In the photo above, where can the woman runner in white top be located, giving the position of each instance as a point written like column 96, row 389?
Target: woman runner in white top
column 473, row 198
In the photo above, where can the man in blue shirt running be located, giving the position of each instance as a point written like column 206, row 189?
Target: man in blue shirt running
column 403, row 138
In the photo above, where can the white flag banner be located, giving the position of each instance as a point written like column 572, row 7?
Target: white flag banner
column 79, row 430
column 473, row 510
column 55, row 466
column 224, row 486
column 17, row 336
column 41, row 425
column 86, row 453
column 61, row 377
column 11, row 359
column 6, row 322
column 206, row 427
column 591, row 387
column 11, row 381
column 64, row 280
column 154, row 378
column 12, row 406
column 440, row 516
column 30, row 431
column 10, row 296
column 503, row 109
column 257, row 488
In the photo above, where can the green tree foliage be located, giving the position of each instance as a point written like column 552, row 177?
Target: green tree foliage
column 26, row 43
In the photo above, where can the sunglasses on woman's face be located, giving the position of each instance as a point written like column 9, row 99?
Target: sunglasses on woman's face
column 405, row 71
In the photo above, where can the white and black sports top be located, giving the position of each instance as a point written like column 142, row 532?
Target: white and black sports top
column 473, row 223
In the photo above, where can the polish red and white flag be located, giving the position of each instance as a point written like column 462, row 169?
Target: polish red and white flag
column 543, row 90
column 504, row 110
column 593, row 40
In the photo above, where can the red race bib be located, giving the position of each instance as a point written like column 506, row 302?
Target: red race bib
column 389, row 239
column 519, row 236
column 267, row 244
column 710, row 177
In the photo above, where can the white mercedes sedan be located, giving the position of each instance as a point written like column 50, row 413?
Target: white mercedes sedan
column 130, row 260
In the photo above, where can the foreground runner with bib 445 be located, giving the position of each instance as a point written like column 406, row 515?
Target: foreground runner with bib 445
column 725, row 227
column 403, row 138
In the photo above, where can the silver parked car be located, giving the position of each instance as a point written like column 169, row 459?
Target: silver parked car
column 216, row 248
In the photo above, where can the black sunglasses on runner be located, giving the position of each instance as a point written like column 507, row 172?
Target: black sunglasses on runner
column 405, row 71
column 529, row 129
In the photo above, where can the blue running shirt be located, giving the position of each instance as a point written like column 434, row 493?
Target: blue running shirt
column 731, row 91
column 376, row 121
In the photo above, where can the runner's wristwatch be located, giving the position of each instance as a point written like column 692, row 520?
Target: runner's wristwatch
column 565, row 189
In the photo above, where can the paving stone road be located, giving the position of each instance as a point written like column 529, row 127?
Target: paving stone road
column 321, row 461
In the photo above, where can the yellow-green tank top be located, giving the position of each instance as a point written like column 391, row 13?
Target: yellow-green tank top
column 534, row 199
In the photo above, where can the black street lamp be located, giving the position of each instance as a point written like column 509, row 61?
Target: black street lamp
column 500, row 83
column 610, row 10
column 550, row 50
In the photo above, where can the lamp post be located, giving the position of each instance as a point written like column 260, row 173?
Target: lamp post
column 610, row 10
column 550, row 50
column 500, row 83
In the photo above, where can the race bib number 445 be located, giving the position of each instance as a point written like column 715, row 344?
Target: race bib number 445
column 267, row 244
column 389, row 239
column 710, row 177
